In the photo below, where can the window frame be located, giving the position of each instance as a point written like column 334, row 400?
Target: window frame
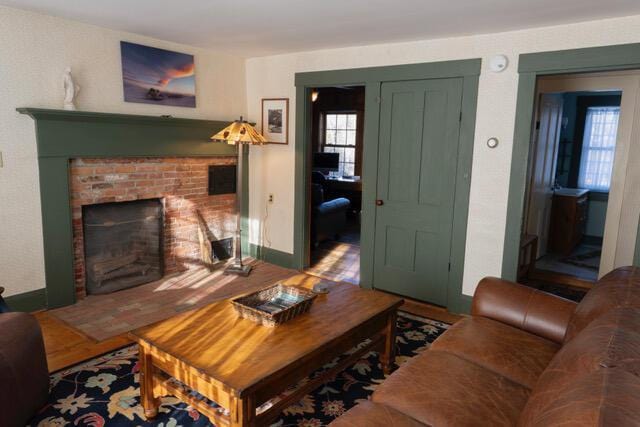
column 586, row 147
column 356, row 146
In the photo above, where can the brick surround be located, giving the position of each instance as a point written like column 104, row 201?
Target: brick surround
column 181, row 183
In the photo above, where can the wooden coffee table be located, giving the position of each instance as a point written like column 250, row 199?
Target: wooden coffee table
column 241, row 365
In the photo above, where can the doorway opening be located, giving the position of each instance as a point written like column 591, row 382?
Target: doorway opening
column 571, row 232
column 335, row 201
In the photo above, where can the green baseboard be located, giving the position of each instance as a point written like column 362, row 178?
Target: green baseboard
column 272, row 256
column 462, row 305
column 28, row 301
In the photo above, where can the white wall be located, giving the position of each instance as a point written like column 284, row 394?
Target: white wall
column 34, row 51
column 272, row 167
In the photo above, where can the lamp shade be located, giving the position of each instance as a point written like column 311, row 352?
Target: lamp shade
column 239, row 132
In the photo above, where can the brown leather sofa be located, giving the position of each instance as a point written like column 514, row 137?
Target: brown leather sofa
column 24, row 377
column 523, row 358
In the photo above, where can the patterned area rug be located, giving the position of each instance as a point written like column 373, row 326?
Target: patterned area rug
column 104, row 391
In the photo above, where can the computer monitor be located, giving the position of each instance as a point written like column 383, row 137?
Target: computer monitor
column 326, row 162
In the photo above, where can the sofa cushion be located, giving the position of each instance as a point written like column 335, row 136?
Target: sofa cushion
column 371, row 414
column 439, row 388
column 508, row 351
column 620, row 288
column 608, row 397
column 611, row 342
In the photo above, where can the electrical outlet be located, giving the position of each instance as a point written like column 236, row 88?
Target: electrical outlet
column 270, row 199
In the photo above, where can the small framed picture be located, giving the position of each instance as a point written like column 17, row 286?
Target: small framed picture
column 275, row 120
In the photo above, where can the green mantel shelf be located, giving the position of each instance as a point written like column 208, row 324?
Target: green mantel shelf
column 44, row 113
column 62, row 135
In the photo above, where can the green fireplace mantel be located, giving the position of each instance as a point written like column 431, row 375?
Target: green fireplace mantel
column 62, row 135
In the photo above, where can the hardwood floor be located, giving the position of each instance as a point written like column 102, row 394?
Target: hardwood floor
column 101, row 317
column 66, row 346
column 336, row 261
column 341, row 262
column 561, row 279
column 430, row 311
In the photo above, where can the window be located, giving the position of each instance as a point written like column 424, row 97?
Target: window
column 340, row 137
column 598, row 148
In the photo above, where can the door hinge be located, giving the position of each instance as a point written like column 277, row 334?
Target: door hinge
column 460, row 118
column 449, row 266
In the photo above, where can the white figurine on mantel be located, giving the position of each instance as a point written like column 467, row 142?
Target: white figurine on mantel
column 71, row 90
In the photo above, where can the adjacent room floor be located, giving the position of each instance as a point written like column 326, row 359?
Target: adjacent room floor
column 583, row 262
column 336, row 261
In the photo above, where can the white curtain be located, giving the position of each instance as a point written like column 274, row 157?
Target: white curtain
column 598, row 148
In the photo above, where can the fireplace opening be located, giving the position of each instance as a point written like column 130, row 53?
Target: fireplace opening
column 122, row 244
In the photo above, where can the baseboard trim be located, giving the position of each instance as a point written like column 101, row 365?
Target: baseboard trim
column 462, row 305
column 28, row 301
column 272, row 256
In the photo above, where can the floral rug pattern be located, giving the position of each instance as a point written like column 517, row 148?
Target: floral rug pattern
column 105, row 391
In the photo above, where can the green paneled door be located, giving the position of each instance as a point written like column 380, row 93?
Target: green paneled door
column 418, row 150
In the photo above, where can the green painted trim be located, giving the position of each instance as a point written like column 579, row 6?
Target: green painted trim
column 602, row 58
column 272, row 256
column 62, row 135
column 97, row 117
column 518, row 175
column 57, row 231
column 372, row 79
column 28, row 301
column 68, row 134
column 370, row 182
column 462, row 306
column 428, row 70
column 532, row 65
column 301, row 232
column 456, row 301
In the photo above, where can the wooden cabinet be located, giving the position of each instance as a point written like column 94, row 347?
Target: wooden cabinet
column 568, row 219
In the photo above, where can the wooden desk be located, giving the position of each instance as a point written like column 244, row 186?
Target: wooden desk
column 241, row 365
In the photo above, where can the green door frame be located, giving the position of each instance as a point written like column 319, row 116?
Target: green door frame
column 532, row 65
column 372, row 79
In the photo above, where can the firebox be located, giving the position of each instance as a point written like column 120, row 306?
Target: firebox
column 122, row 244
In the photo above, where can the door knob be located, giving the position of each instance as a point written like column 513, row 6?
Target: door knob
column 379, row 202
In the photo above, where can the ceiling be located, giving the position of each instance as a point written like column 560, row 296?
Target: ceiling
column 265, row 27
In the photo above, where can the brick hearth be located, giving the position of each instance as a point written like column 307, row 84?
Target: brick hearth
column 181, row 183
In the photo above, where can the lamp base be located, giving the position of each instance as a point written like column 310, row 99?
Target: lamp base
column 238, row 269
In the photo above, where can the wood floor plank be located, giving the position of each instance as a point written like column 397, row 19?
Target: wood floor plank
column 66, row 346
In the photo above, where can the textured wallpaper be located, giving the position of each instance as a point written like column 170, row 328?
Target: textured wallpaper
column 35, row 49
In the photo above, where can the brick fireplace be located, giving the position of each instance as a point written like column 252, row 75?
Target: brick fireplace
column 179, row 183
column 89, row 158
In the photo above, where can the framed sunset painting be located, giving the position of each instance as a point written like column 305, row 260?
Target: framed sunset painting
column 157, row 76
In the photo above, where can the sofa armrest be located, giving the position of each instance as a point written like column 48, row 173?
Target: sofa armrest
column 529, row 309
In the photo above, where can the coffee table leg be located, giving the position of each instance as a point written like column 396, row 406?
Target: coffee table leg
column 389, row 355
column 244, row 412
column 149, row 402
